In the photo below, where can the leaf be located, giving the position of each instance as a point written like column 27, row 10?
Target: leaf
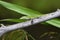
column 55, row 22
column 25, row 17
column 20, row 9
column 13, row 20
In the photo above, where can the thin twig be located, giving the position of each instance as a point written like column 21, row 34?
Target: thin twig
column 30, row 22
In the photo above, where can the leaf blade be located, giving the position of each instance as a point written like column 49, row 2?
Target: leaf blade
column 20, row 9
column 54, row 22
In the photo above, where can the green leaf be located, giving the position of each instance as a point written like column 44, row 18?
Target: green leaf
column 55, row 22
column 25, row 17
column 13, row 20
column 20, row 9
